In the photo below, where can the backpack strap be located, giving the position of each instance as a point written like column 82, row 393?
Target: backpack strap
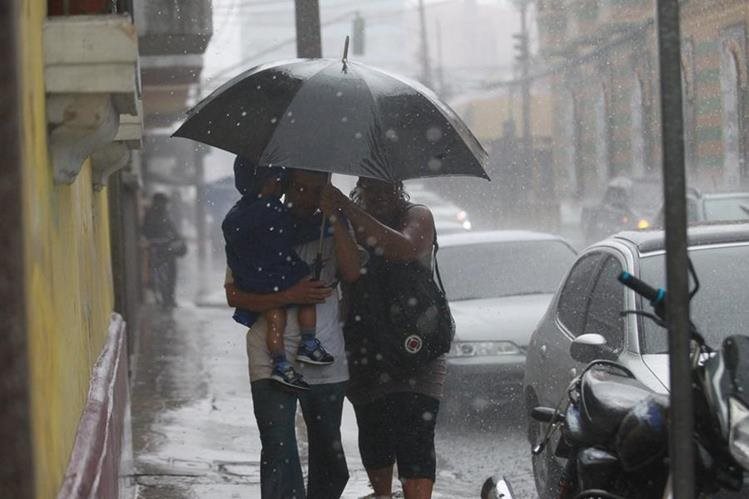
column 436, row 265
column 436, row 247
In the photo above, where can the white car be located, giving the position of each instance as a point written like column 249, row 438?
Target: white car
column 498, row 284
column 448, row 217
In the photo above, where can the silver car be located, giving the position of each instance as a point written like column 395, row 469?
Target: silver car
column 498, row 284
column 591, row 301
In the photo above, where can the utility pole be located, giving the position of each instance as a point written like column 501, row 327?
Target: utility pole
column 308, row 38
column 426, row 70
column 681, row 448
column 440, row 62
column 522, row 46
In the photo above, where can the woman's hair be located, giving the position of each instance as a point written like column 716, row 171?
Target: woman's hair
column 399, row 196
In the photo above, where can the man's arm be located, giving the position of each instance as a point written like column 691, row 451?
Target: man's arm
column 304, row 292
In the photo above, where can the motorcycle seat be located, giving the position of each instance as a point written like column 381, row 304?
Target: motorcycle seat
column 606, row 397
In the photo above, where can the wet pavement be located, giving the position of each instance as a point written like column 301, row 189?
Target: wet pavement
column 193, row 427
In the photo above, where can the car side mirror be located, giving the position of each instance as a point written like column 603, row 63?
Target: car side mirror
column 588, row 347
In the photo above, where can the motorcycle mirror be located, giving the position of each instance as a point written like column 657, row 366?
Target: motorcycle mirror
column 496, row 488
column 588, row 347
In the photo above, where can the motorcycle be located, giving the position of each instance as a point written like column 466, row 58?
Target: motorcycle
column 614, row 430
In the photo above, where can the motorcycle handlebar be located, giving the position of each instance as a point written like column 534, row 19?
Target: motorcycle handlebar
column 655, row 296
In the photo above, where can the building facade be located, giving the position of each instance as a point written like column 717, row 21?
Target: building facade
column 601, row 56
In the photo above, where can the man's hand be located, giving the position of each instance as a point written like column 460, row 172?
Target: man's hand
column 307, row 292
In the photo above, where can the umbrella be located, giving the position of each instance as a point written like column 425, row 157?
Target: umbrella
column 336, row 116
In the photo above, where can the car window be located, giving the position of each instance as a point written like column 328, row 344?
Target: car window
column 574, row 297
column 606, row 304
column 719, row 309
column 733, row 208
column 510, row 268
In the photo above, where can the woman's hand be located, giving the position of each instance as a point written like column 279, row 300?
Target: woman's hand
column 307, row 292
column 332, row 201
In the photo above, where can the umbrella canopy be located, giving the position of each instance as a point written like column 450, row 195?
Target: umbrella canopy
column 335, row 116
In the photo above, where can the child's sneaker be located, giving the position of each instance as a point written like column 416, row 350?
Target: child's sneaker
column 312, row 352
column 285, row 374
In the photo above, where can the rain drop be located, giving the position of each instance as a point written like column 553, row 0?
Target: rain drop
column 434, row 134
column 275, row 288
column 273, row 120
column 344, row 119
column 358, row 135
column 392, row 135
column 435, row 164
column 427, row 416
column 339, row 94
column 412, row 302
column 244, row 113
column 371, row 241
column 357, row 318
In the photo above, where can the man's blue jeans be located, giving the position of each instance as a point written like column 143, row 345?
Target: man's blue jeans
column 280, row 468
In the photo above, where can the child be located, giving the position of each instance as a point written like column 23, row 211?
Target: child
column 260, row 235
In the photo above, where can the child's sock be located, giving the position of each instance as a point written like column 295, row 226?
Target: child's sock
column 278, row 358
column 308, row 335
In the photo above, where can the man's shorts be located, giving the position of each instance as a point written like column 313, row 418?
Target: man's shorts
column 399, row 427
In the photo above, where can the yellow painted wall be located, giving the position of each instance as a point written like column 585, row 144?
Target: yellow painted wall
column 69, row 288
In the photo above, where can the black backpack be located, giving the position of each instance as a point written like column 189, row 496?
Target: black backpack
column 398, row 319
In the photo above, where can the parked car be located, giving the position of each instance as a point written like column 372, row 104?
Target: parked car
column 627, row 203
column 713, row 207
column 448, row 217
column 591, row 300
column 499, row 284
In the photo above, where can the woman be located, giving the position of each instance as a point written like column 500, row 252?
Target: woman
column 396, row 417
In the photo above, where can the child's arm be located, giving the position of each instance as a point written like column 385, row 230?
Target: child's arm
column 305, row 291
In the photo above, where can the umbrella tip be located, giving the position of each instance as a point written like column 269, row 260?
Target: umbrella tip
column 344, row 60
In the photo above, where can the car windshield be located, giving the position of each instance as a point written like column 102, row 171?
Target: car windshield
column 719, row 308
column 730, row 208
column 489, row 270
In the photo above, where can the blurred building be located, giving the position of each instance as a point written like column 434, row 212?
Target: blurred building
column 601, row 57
column 495, row 118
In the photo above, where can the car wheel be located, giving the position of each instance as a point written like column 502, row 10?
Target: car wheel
column 546, row 471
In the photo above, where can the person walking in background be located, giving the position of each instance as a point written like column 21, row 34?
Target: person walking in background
column 322, row 405
column 396, row 416
column 260, row 234
column 165, row 245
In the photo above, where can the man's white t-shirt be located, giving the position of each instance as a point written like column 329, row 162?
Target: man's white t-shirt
column 329, row 328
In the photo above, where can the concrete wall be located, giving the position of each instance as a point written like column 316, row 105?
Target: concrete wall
column 68, row 275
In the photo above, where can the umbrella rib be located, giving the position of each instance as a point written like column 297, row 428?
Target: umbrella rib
column 293, row 100
column 378, row 127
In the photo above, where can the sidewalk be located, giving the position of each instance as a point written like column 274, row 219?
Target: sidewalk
column 192, row 420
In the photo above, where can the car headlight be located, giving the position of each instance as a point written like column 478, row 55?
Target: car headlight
column 482, row 348
column 643, row 224
column 467, row 225
column 738, row 440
